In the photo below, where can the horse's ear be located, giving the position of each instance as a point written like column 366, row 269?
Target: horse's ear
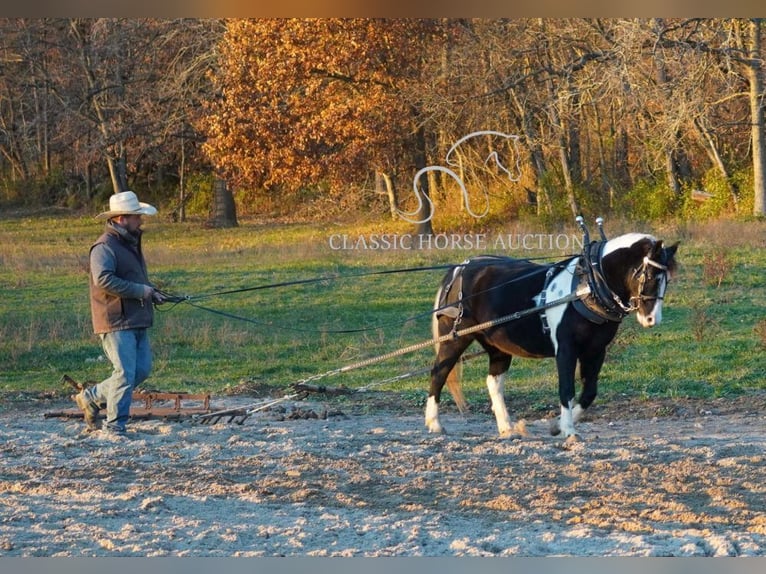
column 659, row 247
column 670, row 257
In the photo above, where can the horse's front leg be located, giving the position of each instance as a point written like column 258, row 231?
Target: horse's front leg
column 590, row 367
column 566, row 363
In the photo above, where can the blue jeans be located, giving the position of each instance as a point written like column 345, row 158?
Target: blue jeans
column 131, row 357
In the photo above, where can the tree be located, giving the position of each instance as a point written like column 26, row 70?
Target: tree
column 133, row 84
column 750, row 44
column 320, row 108
column 305, row 103
column 27, row 109
column 732, row 47
column 545, row 76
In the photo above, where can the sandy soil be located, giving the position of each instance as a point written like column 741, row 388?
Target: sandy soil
column 655, row 479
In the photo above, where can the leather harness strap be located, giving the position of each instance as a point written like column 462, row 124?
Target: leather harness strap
column 601, row 304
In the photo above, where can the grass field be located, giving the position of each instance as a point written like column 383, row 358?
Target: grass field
column 710, row 344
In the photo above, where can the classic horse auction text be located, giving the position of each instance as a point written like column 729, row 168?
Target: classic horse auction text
column 455, row 241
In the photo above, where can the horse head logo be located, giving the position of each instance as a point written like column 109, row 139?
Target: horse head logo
column 493, row 156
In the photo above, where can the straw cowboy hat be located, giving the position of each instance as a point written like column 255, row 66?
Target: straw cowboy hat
column 126, row 203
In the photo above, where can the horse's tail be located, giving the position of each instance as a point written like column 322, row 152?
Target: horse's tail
column 454, row 385
column 455, row 376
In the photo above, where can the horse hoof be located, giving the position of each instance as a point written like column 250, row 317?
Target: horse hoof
column 435, row 428
column 554, row 427
column 571, row 441
column 519, row 430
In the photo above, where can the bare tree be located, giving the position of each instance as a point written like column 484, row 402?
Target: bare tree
column 137, row 84
column 753, row 62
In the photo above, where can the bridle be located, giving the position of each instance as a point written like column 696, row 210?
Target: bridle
column 640, row 273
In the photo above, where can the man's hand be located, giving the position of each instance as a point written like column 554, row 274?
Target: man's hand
column 158, row 298
column 153, row 295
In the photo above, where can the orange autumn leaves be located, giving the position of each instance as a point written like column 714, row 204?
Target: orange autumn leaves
column 304, row 102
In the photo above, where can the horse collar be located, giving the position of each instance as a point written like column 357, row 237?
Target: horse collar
column 600, row 304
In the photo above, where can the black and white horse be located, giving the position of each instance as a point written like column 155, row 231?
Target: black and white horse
column 569, row 310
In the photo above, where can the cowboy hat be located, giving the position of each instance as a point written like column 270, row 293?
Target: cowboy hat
column 126, row 203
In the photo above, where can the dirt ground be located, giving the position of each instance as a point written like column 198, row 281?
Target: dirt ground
column 655, row 478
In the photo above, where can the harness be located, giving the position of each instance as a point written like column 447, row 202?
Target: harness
column 455, row 310
column 588, row 292
column 601, row 304
column 595, row 300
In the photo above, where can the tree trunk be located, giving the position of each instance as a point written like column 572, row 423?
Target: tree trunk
column 756, row 111
column 671, row 166
column 607, row 189
column 118, row 173
column 566, row 168
column 182, row 184
column 224, row 209
column 425, row 228
column 535, row 155
column 574, row 143
column 621, row 155
column 712, row 151
column 383, row 181
column 671, row 173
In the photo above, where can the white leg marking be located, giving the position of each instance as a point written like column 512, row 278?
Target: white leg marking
column 432, row 416
column 567, row 421
column 495, row 385
column 557, row 425
column 577, row 412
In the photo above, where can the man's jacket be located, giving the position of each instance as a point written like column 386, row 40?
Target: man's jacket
column 117, row 279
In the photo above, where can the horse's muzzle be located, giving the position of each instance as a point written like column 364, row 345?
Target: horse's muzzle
column 653, row 318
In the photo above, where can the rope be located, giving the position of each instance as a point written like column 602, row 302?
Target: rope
column 409, row 374
column 403, row 351
column 457, row 334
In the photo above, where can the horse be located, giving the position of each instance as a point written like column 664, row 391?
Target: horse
column 570, row 310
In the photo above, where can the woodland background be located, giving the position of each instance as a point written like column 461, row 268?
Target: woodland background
column 315, row 119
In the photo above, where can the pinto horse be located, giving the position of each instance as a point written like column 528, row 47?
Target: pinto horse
column 569, row 310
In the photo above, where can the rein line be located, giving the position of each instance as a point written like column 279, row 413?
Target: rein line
column 327, row 278
column 190, row 299
column 314, row 280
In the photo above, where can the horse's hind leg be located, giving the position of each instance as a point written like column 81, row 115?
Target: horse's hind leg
column 447, row 357
column 499, row 363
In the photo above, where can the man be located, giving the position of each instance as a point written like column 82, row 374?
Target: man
column 121, row 299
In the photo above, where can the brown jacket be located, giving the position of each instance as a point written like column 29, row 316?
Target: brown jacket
column 117, row 278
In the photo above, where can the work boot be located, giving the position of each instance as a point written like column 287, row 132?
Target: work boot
column 89, row 411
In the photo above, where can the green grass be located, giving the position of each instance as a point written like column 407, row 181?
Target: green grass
column 710, row 344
